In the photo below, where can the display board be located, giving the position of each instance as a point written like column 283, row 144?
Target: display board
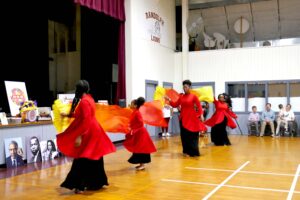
column 16, row 94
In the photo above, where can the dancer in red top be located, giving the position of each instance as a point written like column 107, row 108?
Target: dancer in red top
column 86, row 142
column 138, row 141
column 191, row 115
column 220, row 119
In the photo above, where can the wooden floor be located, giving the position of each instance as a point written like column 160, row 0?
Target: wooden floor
column 252, row 168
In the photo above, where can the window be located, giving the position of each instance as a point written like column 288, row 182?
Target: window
column 247, row 94
column 167, row 85
column 295, row 96
column 256, row 96
column 237, row 93
column 277, row 95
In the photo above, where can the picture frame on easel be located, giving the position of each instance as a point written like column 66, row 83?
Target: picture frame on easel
column 16, row 94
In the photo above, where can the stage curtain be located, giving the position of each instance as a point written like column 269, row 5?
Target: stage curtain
column 116, row 10
column 113, row 8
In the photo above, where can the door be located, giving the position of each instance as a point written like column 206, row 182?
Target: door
column 150, row 89
column 174, row 126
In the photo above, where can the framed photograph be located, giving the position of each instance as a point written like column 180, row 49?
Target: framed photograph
column 3, row 118
column 49, row 150
column 66, row 98
column 34, row 153
column 16, row 94
column 14, row 152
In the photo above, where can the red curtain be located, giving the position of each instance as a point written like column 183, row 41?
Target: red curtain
column 114, row 9
column 121, row 85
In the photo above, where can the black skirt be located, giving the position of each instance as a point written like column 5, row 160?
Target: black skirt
column 219, row 134
column 138, row 158
column 190, row 142
column 86, row 174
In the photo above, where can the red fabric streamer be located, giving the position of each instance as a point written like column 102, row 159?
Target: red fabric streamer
column 172, row 94
column 152, row 113
column 113, row 118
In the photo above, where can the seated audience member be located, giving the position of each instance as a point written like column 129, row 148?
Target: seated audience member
column 289, row 118
column 267, row 117
column 253, row 119
column 280, row 118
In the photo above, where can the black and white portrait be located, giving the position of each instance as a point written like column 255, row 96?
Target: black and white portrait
column 34, row 153
column 14, row 152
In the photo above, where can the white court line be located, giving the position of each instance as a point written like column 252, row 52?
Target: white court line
column 230, row 186
column 246, row 172
column 190, row 182
column 294, row 184
column 226, row 180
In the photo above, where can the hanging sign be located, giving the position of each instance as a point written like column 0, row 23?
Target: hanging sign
column 155, row 26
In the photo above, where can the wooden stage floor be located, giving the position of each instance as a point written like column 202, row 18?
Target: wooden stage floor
column 252, row 168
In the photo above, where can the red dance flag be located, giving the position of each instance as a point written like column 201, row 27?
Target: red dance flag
column 152, row 113
column 113, row 118
column 172, row 94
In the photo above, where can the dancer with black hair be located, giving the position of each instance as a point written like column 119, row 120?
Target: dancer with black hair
column 191, row 117
column 86, row 142
column 138, row 141
column 220, row 119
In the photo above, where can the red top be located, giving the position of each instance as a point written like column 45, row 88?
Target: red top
column 222, row 110
column 95, row 143
column 138, row 141
column 190, row 112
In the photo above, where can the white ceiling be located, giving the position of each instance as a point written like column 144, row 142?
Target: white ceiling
column 268, row 19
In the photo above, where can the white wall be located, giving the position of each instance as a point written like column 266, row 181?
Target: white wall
column 146, row 59
column 248, row 64
column 178, row 72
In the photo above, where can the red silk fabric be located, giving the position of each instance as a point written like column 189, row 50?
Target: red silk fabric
column 94, row 143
